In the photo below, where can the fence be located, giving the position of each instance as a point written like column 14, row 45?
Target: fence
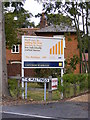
column 35, row 90
column 74, row 85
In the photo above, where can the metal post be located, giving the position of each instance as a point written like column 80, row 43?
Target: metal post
column 26, row 90
column 45, row 91
column 50, row 88
column 22, row 84
column 61, row 82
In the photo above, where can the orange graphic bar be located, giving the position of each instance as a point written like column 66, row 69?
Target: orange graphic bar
column 61, row 46
column 50, row 50
column 56, row 49
column 53, row 49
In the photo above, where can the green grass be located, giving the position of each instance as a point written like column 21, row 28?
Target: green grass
column 35, row 95
column 38, row 95
column 13, row 87
column 35, row 85
column 55, row 95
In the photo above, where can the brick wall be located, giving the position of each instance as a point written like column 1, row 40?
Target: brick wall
column 13, row 56
column 71, row 46
column 70, row 50
column 17, row 56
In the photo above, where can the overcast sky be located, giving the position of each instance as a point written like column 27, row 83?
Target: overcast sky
column 33, row 7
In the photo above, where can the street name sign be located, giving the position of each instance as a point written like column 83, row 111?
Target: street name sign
column 26, row 79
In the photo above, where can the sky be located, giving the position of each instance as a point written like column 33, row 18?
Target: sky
column 33, row 7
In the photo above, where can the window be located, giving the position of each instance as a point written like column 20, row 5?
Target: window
column 15, row 49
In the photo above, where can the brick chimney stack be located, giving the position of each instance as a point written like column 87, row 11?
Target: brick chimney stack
column 43, row 21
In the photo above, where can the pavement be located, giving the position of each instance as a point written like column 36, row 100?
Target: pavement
column 47, row 111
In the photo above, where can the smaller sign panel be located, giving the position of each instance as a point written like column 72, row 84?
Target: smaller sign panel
column 54, row 83
column 25, row 79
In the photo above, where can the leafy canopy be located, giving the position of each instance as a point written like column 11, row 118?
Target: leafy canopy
column 12, row 26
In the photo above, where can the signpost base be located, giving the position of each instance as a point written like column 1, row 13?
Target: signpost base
column 61, row 91
column 45, row 91
column 50, row 88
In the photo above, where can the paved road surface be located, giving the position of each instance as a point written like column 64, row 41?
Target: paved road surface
column 50, row 111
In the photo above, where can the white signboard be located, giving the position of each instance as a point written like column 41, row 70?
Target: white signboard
column 54, row 83
column 46, row 52
column 25, row 79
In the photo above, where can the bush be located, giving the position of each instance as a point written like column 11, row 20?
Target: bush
column 74, row 84
column 13, row 87
column 75, row 78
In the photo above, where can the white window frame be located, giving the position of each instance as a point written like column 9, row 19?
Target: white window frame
column 16, row 62
column 15, row 49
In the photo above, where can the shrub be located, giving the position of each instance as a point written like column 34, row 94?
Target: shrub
column 74, row 83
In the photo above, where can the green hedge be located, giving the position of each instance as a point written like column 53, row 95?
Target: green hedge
column 73, row 84
column 75, row 78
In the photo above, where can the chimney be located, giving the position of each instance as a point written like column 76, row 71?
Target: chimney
column 43, row 21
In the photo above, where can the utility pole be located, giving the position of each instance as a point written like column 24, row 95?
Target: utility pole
column 3, row 67
column 0, row 50
column 89, row 39
column 89, row 53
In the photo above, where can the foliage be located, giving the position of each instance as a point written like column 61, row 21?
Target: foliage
column 47, row 72
column 12, row 26
column 70, row 64
column 74, row 78
column 10, row 30
column 73, row 84
column 74, row 11
column 54, row 19
column 18, row 6
column 13, row 87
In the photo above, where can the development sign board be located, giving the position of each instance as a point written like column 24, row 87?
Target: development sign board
column 54, row 83
column 46, row 52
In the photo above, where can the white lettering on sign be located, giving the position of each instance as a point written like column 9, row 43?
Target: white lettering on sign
column 54, row 83
column 25, row 79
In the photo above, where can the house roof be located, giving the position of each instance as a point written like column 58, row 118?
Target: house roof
column 58, row 28
column 29, row 31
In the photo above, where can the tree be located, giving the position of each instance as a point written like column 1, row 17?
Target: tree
column 12, row 26
column 3, row 68
column 54, row 19
column 75, row 11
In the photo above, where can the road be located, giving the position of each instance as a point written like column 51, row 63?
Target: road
column 49, row 111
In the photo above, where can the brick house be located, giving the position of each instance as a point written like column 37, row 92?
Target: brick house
column 13, row 57
column 71, row 43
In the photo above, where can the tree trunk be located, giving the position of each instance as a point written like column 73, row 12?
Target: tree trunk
column 89, row 49
column 3, row 67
